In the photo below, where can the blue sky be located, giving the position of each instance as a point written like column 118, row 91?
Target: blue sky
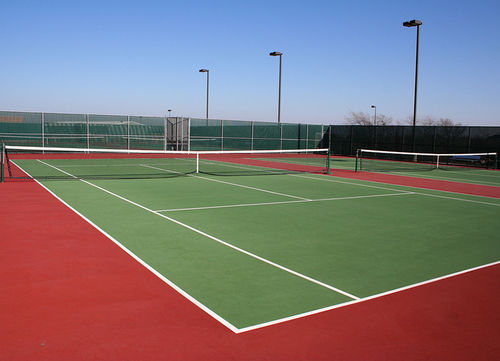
column 142, row 58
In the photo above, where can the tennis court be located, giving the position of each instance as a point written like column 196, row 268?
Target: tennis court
column 254, row 246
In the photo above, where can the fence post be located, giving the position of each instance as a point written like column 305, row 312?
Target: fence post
column 87, row 130
column 434, row 141
column 182, row 133
column 281, row 136
column 42, row 121
column 330, row 149
column 128, row 132
column 350, row 139
column 165, row 132
column 189, row 134
column 298, row 136
column 176, row 133
column 402, row 139
column 221, row 135
column 307, row 136
column 468, row 143
column 251, row 141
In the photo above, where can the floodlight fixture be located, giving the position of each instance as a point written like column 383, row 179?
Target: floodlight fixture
column 411, row 23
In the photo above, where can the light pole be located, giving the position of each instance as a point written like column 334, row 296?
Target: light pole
column 375, row 117
column 169, row 111
column 277, row 53
column 410, row 24
column 208, row 85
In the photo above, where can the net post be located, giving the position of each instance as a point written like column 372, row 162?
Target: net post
column 329, row 155
column 2, row 161
column 358, row 160
column 437, row 162
column 197, row 162
column 328, row 162
column 496, row 160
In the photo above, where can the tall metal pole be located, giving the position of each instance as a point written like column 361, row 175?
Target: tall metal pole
column 415, row 95
column 208, row 86
column 279, row 95
column 416, row 23
column 277, row 53
column 208, row 89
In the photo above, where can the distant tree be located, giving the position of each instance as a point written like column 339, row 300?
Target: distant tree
column 426, row 121
column 383, row 119
column 430, row 121
column 446, row 122
column 360, row 118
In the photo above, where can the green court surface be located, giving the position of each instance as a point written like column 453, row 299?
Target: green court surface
column 258, row 248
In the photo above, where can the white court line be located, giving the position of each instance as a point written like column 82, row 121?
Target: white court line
column 283, row 202
column 229, row 183
column 283, row 268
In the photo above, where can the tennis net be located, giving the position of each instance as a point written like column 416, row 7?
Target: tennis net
column 23, row 162
column 388, row 161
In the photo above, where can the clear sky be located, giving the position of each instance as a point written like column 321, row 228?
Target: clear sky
column 142, row 58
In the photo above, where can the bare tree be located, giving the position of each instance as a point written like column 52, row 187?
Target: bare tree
column 430, row 121
column 446, row 122
column 360, row 118
column 383, row 119
column 426, row 121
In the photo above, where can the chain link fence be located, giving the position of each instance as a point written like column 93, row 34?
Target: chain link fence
column 94, row 131
column 211, row 134
column 176, row 133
